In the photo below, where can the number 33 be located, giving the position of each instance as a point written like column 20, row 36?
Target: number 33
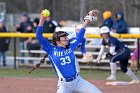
column 65, row 60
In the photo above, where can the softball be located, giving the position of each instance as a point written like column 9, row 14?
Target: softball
column 45, row 13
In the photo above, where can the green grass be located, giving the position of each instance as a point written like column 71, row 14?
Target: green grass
column 46, row 72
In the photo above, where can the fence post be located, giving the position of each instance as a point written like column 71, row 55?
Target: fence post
column 15, row 53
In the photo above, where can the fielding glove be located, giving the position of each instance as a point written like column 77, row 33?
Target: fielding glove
column 93, row 13
column 90, row 18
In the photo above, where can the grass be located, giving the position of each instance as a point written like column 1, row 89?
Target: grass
column 47, row 72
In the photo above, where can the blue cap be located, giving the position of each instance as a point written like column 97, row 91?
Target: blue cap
column 25, row 14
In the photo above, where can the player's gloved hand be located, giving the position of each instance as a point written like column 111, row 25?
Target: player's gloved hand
column 90, row 18
column 87, row 58
column 98, row 60
column 94, row 13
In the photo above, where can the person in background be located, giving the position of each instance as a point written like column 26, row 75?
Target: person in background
column 32, row 43
column 26, row 26
column 117, row 52
column 107, row 16
column 4, row 44
column 120, row 26
column 50, row 25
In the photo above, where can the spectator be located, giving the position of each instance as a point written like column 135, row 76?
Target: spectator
column 50, row 25
column 120, row 25
column 107, row 19
column 4, row 44
column 25, row 26
column 32, row 43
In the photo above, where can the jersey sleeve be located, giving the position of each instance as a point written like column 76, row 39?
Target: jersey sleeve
column 83, row 48
column 112, row 50
column 78, row 39
column 46, row 45
column 103, row 42
column 102, row 49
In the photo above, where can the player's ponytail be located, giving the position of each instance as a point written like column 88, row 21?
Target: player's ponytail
column 43, row 59
column 38, row 64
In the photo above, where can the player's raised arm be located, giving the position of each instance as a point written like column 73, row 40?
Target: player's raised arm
column 39, row 35
column 89, row 18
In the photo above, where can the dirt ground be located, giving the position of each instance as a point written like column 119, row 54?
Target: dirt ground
column 48, row 85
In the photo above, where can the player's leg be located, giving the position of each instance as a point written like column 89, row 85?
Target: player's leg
column 63, row 87
column 131, row 74
column 113, row 67
column 128, row 71
column 124, row 63
column 118, row 57
column 84, row 86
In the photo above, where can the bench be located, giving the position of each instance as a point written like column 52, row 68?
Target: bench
column 92, row 46
column 77, row 53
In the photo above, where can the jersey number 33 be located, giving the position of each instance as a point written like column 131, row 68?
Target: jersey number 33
column 65, row 60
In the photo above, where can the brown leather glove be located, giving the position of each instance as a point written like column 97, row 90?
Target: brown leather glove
column 134, row 65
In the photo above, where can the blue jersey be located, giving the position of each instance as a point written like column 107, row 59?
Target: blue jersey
column 63, row 60
column 112, row 41
column 82, row 45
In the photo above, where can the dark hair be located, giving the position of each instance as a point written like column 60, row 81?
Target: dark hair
column 36, row 20
column 57, row 35
column 43, row 59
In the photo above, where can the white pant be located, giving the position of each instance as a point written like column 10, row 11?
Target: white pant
column 78, row 85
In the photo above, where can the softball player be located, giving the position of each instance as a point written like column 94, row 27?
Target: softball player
column 62, row 57
column 117, row 52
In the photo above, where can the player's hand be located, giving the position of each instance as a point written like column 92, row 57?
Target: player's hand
column 94, row 13
column 42, row 18
column 90, row 18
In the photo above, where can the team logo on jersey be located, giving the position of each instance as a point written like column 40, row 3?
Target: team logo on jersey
column 62, row 53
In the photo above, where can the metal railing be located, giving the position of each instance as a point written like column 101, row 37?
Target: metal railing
column 49, row 35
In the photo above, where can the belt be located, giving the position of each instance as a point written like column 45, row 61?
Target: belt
column 68, row 79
